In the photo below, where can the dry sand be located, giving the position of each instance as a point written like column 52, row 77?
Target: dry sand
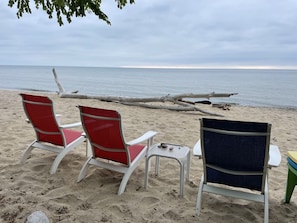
column 29, row 187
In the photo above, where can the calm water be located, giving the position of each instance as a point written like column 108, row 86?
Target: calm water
column 273, row 88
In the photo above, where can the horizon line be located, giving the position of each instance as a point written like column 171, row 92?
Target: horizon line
column 215, row 67
column 247, row 67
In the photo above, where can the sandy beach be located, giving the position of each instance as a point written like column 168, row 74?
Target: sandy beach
column 29, row 187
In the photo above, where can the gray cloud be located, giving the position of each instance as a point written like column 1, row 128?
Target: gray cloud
column 157, row 33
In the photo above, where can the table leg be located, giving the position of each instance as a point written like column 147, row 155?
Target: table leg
column 182, row 178
column 147, row 169
column 157, row 164
column 188, row 166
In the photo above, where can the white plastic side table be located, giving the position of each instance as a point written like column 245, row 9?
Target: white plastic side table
column 178, row 152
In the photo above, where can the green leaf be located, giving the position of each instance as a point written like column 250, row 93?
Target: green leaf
column 66, row 8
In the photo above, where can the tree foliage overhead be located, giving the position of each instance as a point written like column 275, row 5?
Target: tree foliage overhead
column 65, row 8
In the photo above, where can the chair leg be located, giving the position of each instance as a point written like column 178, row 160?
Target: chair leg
column 63, row 153
column 266, row 202
column 125, row 180
column 84, row 169
column 130, row 170
column 58, row 160
column 291, row 182
column 199, row 196
column 27, row 152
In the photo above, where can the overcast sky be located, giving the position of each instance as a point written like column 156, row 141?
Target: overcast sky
column 191, row 33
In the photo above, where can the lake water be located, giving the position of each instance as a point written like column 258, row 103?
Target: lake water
column 272, row 88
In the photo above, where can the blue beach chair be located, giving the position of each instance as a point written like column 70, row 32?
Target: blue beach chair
column 235, row 154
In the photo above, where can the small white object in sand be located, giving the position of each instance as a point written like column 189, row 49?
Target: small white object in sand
column 37, row 217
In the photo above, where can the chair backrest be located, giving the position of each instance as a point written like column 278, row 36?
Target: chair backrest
column 40, row 112
column 104, row 131
column 235, row 153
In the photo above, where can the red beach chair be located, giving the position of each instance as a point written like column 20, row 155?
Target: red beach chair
column 105, row 136
column 50, row 135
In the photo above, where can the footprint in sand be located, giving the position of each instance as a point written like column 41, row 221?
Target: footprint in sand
column 149, row 201
column 40, row 168
column 65, row 199
column 121, row 210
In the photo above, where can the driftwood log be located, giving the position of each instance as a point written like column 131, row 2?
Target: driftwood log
column 179, row 104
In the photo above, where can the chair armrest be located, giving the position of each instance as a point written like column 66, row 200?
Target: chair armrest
column 145, row 136
column 197, row 149
column 58, row 118
column 72, row 125
column 275, row 156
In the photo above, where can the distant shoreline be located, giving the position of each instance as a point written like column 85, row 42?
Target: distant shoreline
column 287, row 68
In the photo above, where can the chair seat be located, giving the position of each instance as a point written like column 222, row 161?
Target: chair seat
column 135, row 150
column 71, row 135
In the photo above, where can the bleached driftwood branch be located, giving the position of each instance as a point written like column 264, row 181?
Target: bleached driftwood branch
column 178, row 100
column 61, row 89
